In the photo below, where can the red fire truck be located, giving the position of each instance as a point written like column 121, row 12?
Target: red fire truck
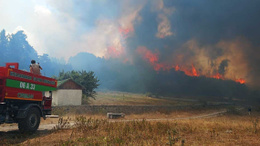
column 22, row 97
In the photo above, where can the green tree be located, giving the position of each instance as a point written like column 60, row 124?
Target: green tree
column 87, row 79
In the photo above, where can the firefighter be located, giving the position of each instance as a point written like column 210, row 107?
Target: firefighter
column 35, row 68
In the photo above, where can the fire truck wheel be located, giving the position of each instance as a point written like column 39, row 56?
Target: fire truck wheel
column 31, row 122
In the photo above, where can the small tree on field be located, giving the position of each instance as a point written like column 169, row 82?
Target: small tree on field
column 86, row 79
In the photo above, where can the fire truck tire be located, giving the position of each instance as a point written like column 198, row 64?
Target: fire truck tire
column 31, row 122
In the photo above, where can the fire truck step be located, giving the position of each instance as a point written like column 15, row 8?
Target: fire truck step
column 52, row 116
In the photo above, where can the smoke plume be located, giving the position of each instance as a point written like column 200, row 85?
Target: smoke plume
column 157, row 45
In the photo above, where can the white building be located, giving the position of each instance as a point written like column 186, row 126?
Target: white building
column 68, row 93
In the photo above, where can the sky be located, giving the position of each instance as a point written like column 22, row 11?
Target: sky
column 217, row 39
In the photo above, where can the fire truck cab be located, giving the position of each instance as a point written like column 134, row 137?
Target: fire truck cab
column 22, row 97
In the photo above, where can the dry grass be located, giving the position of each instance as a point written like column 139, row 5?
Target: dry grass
column 228, row 129
column 234, row 128
column 155, row 115
column 124, row 98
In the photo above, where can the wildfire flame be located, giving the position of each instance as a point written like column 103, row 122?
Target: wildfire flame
column 148, row 55
column 241, row 81
column 153, row 59
column 189, row 72
column 177, row 67
column 217, row 76
column 194, row 71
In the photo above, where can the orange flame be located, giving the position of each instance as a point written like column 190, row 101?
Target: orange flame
column 194, row 71
column 189, row 72
column 177, row 67
column 217, row 76
column 148, row 55
column 153, row 59
column 241, row 81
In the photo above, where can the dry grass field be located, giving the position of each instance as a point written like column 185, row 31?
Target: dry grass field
column 178, row 127
column 232, row 128
column 124, row 98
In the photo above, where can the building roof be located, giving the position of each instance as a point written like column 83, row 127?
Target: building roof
column 62, row 82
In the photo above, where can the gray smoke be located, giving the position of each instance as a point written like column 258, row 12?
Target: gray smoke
column 215, row 36
column 223, row 67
